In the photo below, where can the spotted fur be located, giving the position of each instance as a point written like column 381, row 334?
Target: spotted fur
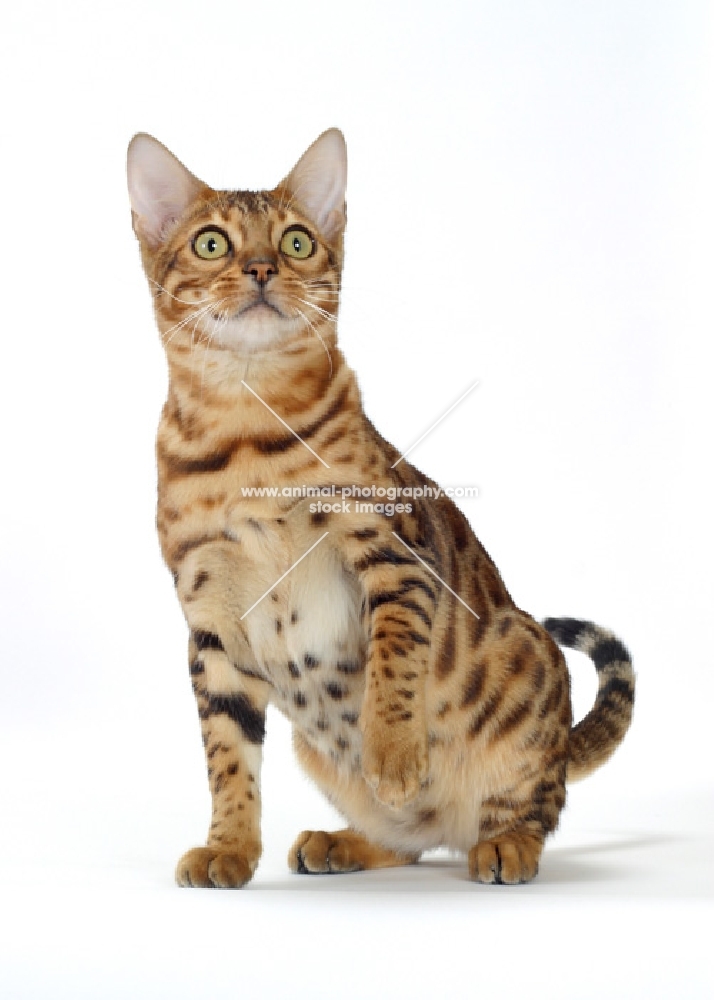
column 425, row 719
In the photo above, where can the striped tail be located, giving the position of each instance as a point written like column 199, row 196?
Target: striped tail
column 595, row 738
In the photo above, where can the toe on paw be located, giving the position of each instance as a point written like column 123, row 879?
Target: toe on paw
column 506, row 860
column 207, row 868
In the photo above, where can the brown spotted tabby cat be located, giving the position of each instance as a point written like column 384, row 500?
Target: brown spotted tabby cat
column 428, row 708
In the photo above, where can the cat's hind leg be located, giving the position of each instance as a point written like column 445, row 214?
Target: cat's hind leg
column 317, row 852
column 513, row 828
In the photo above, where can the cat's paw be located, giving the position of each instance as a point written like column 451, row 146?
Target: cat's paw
column 317, row 852
column 214, row 868
column 509, row 859
column 394, row 768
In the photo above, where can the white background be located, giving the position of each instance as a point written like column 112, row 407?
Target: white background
column 530, row 205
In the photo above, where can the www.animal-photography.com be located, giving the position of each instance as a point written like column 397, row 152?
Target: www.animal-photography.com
column 356, row 554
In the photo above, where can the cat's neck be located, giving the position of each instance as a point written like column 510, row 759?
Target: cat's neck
column 249, row 392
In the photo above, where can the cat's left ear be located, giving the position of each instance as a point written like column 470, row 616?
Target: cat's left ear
column 318, row 181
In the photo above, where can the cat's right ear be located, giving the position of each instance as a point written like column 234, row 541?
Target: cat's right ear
column 160, row 188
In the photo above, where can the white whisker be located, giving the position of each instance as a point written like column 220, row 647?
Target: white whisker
column 187, row 319
column 322, row 312
column 188, row 302
column 314, row 330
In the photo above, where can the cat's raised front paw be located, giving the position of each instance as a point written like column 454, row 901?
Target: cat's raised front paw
column 394, row 768
column 214, row 868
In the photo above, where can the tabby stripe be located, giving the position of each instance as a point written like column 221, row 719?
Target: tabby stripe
column 417, row 609
column 207, row 640
column 514, row 718
column 567, row 632
column 249, row 673
column 474, row 685
column 616, row 686
column 552, row 700
column 609, row 651
column 175, row 467
column 192, row 543
column 409, row 582
column 383, row 597
column 240, row 710
column 385, row 555
column 486, row 713
column 269, row 446
column 447, row 654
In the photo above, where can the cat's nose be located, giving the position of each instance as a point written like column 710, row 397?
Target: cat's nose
column 262, row 270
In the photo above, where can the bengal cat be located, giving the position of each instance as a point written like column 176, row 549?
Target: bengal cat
column 428, row 708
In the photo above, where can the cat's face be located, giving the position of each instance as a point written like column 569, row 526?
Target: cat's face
column 243, row 271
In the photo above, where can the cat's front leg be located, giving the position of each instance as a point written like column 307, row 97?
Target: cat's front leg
column 400, row 602
column 231, row 707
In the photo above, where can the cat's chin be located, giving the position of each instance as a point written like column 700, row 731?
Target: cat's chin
column 257, row 330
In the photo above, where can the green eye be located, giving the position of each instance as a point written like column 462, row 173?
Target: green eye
column 297, row 242
column 211, row 244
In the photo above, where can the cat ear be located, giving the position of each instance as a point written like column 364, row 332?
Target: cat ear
column 160, row 187
column 318, row 180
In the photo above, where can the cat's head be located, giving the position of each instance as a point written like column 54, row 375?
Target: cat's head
column 242, row 271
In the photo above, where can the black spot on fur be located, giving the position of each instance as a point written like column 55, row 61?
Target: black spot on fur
column 349, row 667
column 335, row 691
column 505, row 627
column 207, row 640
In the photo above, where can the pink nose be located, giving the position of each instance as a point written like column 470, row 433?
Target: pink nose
column 262, row 270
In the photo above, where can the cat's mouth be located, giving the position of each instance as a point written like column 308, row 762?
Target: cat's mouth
column 259, row 305
column 249, row 326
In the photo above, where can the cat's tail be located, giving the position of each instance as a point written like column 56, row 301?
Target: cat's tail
column 595, row 738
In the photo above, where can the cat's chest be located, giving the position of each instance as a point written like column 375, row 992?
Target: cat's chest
column 306, row 635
